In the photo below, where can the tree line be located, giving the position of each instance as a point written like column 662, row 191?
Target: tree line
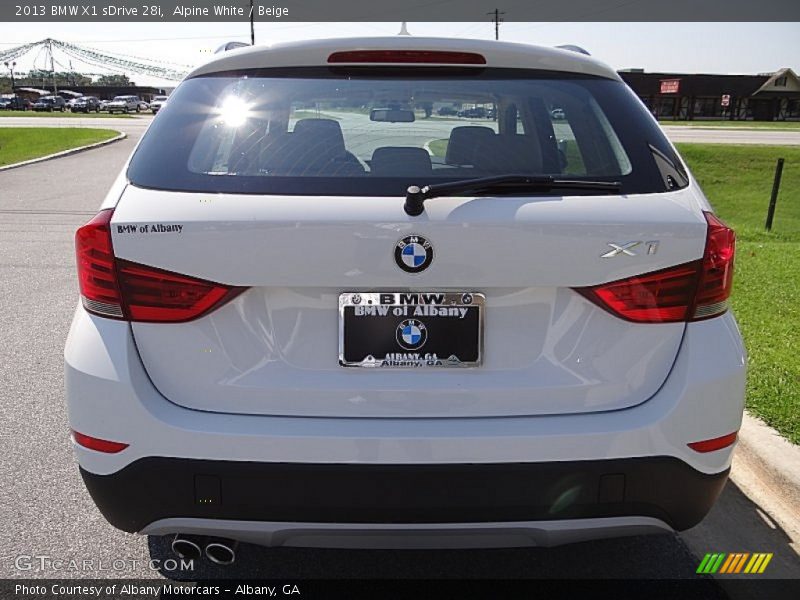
column 40, row 78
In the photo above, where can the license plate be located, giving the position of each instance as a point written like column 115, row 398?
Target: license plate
column 410, row 329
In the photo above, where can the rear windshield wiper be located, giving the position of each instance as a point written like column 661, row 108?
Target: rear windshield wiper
column 500, row 184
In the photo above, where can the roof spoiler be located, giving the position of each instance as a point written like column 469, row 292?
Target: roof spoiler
column 230, row 46
column 573, row 48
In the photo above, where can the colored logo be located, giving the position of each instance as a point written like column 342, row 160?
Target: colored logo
column 411, row 334
column 733, row 563
column 413, row 254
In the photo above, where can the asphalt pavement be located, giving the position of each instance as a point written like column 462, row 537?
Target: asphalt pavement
column 47, row 515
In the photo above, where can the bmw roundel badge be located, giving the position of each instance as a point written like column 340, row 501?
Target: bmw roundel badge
column 411, row 334
column 413, row 254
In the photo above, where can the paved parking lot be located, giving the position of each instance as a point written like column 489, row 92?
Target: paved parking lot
column 44, row 508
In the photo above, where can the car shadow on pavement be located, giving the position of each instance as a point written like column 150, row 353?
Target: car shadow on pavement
column 738, row 524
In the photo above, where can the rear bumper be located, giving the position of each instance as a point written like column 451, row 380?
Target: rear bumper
column 600, row 473
column 156, row 489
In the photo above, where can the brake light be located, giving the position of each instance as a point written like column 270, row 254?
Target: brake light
column 444, row 57
column 120, row 289
column 716, row 277
column 97, row 444
column 155, row 295
column 96, row 273
column 688, row 292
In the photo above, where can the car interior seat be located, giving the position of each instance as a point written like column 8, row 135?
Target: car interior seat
column 400, row 161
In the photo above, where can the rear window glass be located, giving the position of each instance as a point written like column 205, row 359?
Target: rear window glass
column 373, row 131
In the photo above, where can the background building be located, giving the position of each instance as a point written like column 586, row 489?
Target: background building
column 766, row 97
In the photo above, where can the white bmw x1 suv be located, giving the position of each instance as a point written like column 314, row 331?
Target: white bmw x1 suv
column 318, row 307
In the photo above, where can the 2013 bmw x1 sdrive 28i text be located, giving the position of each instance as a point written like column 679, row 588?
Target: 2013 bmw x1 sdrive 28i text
column 372, row 292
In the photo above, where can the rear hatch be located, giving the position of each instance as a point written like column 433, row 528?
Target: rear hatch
column 290, row 183
column 274, row 349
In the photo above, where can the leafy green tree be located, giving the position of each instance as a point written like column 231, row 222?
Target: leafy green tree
column 113, row 80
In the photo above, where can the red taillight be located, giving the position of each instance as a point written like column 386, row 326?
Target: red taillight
column 97, row 444
column 689, row 292
column 716, row 277
column 659, row 297
column 96, row 274
column 155, row 295
column 714, row 444
column 442, row 57
column 120, row 289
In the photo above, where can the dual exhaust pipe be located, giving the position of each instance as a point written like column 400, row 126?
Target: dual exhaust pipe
column 219, row 551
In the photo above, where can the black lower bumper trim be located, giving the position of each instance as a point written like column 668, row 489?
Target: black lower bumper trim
column 157, row 488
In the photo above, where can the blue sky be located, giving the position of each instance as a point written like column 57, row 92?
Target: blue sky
column 678, row 47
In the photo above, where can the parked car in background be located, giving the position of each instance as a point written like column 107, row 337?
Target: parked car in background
column 50, row 104
column 143, row 105
column 104, row 104
column 124, row 104
column 477, row 112
column 19, row 103
column 86, row 104
column 4, row 102
column 557, row 114
column 157, row 103
column 446, row 111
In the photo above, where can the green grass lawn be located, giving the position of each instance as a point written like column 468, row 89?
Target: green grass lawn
column 766, row 294
column 24, row 143
column 438, row 147
column 67, row 114
column 735, row 124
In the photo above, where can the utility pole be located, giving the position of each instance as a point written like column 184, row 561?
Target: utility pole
column 252, row 26
column 497, row 17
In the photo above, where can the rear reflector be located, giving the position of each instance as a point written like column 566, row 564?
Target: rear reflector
column 120, row 289
column 93, row 443
column 441, row 57
column 688, row 292
column 714, row 444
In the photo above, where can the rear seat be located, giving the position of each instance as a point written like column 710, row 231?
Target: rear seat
column 510, row 153
column 400, row 161
column 315, row 147
column 462, row 142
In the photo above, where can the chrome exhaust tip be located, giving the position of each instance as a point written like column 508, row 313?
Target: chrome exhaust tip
column 186, row 547
column 222, row 552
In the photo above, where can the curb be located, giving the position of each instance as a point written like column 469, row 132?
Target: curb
column 32, row 161
column 776, row 458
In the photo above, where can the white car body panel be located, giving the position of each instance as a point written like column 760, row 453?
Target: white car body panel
column 702, row 398
column 316, row 52
column 273, row 350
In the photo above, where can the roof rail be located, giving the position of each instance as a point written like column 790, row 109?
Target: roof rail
column 574, row 48
column 230, row 46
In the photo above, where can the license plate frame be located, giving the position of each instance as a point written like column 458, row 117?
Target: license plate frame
column 442, row 317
